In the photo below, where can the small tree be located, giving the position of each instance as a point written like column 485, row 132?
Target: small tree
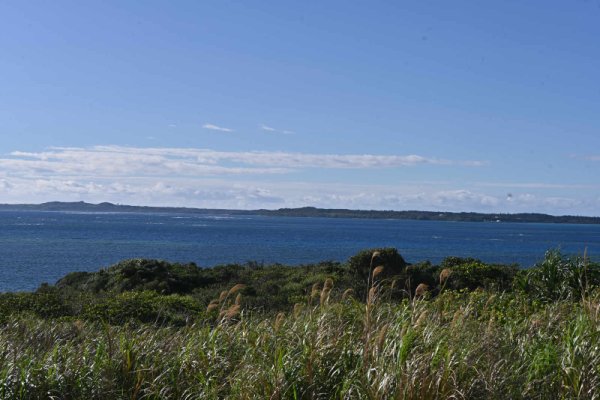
column 363, row 262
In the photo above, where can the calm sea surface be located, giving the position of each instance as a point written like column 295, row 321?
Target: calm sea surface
column 38, row 247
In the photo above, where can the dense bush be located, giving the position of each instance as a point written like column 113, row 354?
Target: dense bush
column 149, row 290
column 140, row 274
column 144, row 307
column 559, row 278
column 472, row 275
column 363, row 263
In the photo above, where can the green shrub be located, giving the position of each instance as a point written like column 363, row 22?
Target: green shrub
column 558, row 277
column 144, row 307
column 362, row 263
column 472, row 275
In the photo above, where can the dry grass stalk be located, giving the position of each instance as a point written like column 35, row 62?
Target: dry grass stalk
column 236, row 289
column 444, row 275
column 378, row 270
column 458, row 318
column 232, row 311
column 381, row 337
column 223, row 296
column 347, row 294
column 327, row 286
column 489, row 301
column 324, row 296
column 421, row 290
column 213, row 305
column 315, row 291
column 297, row 309
column 372, row 295
column 278, row 321
column 238, row 299
column 422, row 318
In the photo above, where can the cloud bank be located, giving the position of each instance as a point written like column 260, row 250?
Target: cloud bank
column 113, row 161
column 250, row 179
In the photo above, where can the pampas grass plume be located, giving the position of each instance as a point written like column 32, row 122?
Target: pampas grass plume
column 378, row 270
column 232, row 311
column 421, row 290
column 372, row 295
column 213, row 305
column 314, row 292
column 347, row 294
column 236, row 289
column 326, row 291
column 444, row 275
column 279, row 321
column 223, row 296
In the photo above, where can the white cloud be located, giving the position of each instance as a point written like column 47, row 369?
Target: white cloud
column 240, row 193
column 267, row 128
column 133, row 161
column 217, row 179
column 273, row 130
column 216, row 128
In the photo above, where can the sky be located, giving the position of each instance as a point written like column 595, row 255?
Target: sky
column 388, row 105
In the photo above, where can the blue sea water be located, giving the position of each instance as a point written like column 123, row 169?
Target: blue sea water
column 37, row 247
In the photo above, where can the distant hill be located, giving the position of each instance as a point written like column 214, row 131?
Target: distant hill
column 308, row 212
column 431, row 215
column 81, row 206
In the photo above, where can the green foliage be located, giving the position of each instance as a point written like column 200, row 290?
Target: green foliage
column 144, row 307
column 141, row 329
column 140, row 274
column 48, row 303
column 471, row 274
column 363, row 262
column 452, row 346
column 407, row 281
column 558, row 277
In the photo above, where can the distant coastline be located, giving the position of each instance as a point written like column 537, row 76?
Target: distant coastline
column 310, row 212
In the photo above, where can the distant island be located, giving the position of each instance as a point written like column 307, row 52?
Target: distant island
column 309, row 212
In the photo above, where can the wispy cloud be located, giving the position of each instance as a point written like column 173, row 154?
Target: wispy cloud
column 267, row 128
column 270, row 129
column 216, row 128
column 118, row 161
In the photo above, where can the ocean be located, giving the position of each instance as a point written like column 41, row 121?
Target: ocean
column 37, row 247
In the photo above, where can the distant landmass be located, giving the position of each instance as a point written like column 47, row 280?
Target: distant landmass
column 308, row 212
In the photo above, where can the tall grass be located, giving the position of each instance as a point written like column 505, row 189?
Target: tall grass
column 457, row 345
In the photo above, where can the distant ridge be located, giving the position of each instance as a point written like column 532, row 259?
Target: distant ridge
column 309, row 212
column 81, row 206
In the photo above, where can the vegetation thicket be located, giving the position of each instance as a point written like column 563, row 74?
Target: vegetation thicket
column 372, row 328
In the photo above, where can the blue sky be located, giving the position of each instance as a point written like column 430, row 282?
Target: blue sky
column 432, row 105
